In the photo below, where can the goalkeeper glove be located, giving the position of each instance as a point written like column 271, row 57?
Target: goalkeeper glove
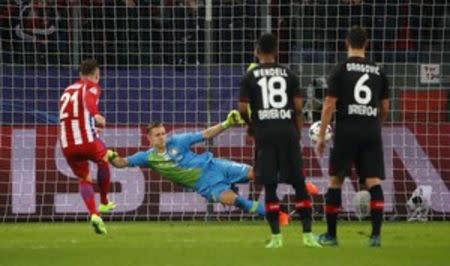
column 252, row 66
column 233, row 118
column 111, row 155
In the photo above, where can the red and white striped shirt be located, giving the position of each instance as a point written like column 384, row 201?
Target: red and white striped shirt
column 77, row 108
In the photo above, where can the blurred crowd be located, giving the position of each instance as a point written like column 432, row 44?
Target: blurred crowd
column 133, row 32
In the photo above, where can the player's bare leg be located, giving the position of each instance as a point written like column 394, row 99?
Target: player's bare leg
column 230, row 198
column 373, row 184
column 251, row 174
column 333, row 201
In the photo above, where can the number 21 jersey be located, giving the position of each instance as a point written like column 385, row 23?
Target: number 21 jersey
column 77, row 108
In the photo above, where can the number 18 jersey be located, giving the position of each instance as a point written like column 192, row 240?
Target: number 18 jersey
column 270, row 90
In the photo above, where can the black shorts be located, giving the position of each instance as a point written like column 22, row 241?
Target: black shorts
column 363, row 151
column 278, row 158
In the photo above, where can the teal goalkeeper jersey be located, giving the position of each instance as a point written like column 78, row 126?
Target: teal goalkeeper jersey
column 178, row 163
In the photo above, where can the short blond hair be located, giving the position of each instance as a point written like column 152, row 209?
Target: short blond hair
column 153, row 125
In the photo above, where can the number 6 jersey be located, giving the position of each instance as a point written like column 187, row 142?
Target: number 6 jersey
column 359, row 85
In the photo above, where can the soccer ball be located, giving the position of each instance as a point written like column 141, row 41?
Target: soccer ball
column 419, row 204
column 314, row 132
column 361, row 204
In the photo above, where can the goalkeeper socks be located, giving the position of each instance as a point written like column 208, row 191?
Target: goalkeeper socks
column 249, row 205
column 303, row 205
column 103, row 181
column 88, row 195
column 333, row 202
column 272, row 208
column 376, row 208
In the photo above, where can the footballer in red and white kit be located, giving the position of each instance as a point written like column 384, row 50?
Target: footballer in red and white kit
column 79, row 138
column 80, row 124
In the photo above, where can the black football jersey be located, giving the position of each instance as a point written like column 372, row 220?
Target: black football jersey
column 270, row 90
column 359, row 85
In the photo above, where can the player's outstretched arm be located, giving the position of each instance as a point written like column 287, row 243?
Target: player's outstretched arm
column 233, row 118
column 115, row 159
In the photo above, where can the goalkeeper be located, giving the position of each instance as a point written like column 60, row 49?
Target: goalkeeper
column 173, row 159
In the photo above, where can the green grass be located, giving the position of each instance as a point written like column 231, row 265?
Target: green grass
column 218, row 243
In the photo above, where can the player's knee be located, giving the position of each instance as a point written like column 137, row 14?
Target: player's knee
column 251, row 174
column 335, row 182
column 372, row 181
column 227, row 197
column 83, row 177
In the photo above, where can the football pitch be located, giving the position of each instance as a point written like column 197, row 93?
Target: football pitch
column 217, row 243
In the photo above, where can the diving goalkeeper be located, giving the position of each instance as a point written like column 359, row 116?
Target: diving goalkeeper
column 210, row 177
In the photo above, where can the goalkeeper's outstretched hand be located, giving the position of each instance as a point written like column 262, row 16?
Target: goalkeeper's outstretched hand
column 111, row 155
column 233, row 118
column 252, row 66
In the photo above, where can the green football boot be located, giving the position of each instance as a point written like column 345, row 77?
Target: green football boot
column 310, row 241
column 98, row 224
column 275, row 242
column 106, row 207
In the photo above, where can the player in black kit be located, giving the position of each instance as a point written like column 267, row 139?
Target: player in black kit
column 358, row 91
column 273, row 93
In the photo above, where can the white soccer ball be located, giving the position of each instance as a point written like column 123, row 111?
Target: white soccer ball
column 361, row 204
column 314, row 130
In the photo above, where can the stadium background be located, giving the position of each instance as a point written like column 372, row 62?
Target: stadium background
column 176, row 62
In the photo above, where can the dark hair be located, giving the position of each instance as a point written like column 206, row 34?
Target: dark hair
column 267, row 43
column 357, row 37
column 153, row 125
column 88, row 67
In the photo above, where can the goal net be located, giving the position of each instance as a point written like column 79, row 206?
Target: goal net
column 180, row 62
